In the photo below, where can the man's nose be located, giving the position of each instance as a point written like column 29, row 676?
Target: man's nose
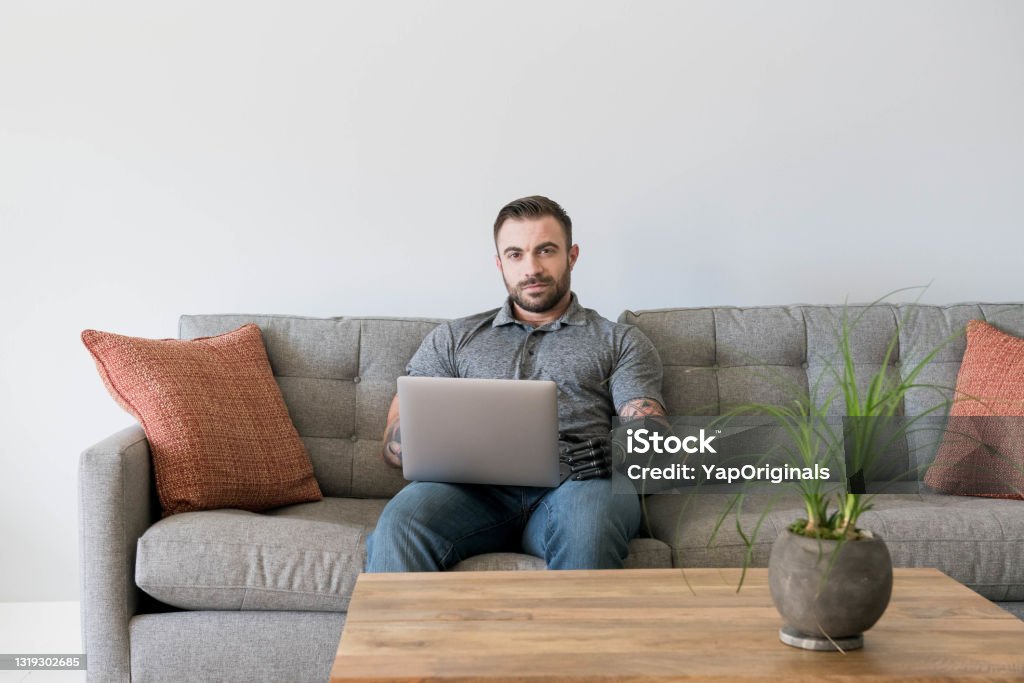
column 532, row 264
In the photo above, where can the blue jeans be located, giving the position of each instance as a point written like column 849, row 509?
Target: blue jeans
column 431, row 526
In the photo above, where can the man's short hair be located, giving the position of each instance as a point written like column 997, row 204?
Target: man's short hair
column 536, row 206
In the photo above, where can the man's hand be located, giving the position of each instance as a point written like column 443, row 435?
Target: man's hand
column 648, row 414
column 391, row 450
column 592, row 458
column 588, row 459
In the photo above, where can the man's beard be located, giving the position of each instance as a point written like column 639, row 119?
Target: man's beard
column 548, row 300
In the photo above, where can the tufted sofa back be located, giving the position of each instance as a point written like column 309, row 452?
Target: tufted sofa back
column 338, row 375
column 719, row 357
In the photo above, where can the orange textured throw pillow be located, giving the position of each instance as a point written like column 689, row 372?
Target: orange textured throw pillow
column 218, row 428
column 982, row 451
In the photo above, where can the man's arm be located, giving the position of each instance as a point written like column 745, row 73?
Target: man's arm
column 592, row 458
column 647, row 409
column 640, row 408
column 434, row 358
column 391, row 450
column 637, row 373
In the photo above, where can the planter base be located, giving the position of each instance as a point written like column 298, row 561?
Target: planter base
column 790, row 636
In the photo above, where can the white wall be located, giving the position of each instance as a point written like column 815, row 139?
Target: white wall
column 328, row 158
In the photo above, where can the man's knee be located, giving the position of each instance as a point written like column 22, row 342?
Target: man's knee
column 588, row 526
column 430, row 526
column 406, row 537
column 593, row 502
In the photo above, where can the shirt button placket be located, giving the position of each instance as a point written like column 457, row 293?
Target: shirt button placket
column 525, row 362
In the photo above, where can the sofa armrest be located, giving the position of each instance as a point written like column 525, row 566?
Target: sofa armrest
column 115, row 507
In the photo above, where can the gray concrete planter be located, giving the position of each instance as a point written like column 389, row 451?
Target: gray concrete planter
column 827, row 599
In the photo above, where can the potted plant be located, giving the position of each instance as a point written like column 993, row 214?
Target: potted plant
column 829, row 578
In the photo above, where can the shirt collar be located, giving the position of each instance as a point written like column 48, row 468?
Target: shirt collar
column 573, row 315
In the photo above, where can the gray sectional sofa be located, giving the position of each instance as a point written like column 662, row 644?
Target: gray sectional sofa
column 232, row 595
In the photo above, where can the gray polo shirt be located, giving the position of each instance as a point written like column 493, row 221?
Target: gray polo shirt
column 597, row 365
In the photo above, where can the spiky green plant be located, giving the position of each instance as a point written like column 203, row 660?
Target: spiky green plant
column 868, row 429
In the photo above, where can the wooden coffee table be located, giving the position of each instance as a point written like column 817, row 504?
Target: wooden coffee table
column 647, row 624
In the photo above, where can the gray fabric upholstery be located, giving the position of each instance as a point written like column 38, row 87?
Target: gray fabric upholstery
column 337, row 376
column 717, row 357
column 233, row 646
column 499, row 562
column 300, row 557
column 648, row 553
column 644, row 553
column 977, row 541
column 115, row 505
column 1014, row 608
column 705, row 350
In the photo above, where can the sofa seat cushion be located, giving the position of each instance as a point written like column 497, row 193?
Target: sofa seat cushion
column 301, row 557
column 500, row 562
column 977, row 541
column 644, row 553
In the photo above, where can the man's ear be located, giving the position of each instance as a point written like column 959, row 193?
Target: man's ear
column 497, row 263
column 574, row 253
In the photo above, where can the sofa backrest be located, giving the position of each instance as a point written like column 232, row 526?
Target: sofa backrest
column 338, row 375
column 719, row 357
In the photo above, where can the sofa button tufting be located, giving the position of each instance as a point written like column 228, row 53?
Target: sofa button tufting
column 804, row 365
column 353, row 438
column 356, row 379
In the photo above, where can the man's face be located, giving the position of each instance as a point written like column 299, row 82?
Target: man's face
column 535, row 262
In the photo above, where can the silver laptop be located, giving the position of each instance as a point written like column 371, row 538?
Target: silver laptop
column 479, row 431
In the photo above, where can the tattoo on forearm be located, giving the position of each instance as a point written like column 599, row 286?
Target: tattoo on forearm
column 642, row 407
column 392, row 448
column 393, row 433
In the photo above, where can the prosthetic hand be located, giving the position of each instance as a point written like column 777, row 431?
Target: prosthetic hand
column 587, row 459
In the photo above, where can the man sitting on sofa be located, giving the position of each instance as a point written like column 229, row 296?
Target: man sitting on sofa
column 541, row 332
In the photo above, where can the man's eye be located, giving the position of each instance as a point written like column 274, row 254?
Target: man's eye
column 547, row 250
column 513, row 255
